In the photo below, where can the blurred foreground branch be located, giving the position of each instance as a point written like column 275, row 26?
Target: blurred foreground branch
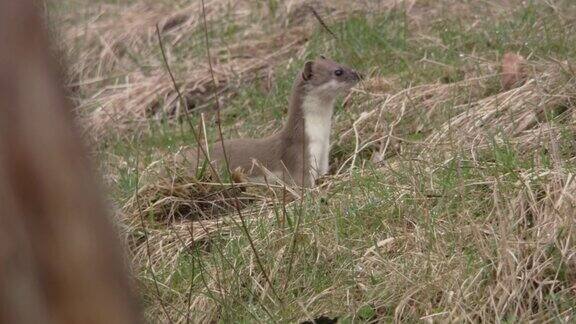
column 60, row 261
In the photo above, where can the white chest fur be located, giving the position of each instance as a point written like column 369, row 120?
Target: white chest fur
column 318, row 121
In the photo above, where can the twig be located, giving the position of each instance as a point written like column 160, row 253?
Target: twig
column 189, row 295
column 156, row 287
column 348, row 48
column 182, row 102
column 300, row 211
column 237, row 204
column 196, row 135
column 321, row 21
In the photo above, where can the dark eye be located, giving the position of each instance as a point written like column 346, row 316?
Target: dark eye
column 339, row 72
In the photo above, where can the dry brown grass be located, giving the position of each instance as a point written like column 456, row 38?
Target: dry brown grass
column 506, row 254
column 116, row 62
column 525, row 272
column 529, row 221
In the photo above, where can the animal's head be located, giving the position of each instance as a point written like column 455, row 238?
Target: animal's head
column 327, row 79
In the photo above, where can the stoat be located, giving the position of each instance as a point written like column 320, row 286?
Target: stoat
column 298, row 152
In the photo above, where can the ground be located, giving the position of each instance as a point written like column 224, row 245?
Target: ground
column 449, row 198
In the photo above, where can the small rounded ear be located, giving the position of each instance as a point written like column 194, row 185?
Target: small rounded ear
column 307, row 73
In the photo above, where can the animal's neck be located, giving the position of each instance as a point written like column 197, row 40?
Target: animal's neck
column 308, row 126
column 317, row 114
column 294, row 126
column 317, row 124
column 310, row 109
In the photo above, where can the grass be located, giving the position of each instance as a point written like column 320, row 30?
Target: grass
column 441, row 217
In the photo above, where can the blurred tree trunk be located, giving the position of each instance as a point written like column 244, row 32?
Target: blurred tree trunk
column 60, row 261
